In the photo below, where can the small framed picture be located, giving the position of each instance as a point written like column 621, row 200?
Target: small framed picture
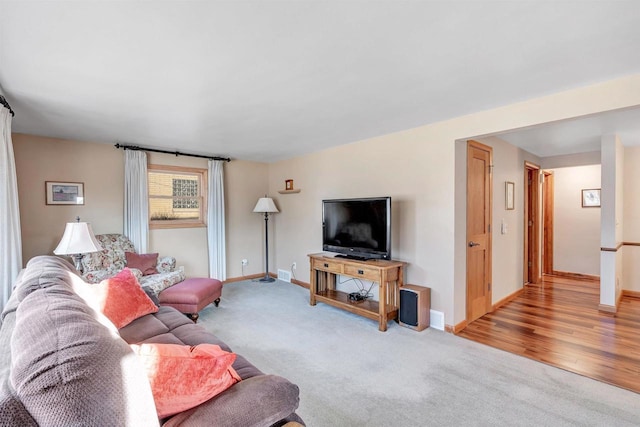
column 509, row 195
column 288, row 184
column 591, row 198
column 64, row 193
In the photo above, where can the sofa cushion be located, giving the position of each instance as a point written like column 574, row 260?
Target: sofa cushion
column 183, row 377
column 168, row 321
column 257, row 402
column 121, row 299
column 143, row 262
column 169, row 326
column 67, row 368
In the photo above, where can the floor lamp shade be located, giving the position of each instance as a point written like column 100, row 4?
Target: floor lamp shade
column 265, row 205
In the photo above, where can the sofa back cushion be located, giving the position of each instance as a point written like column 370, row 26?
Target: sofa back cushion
column 67, row 368
column 112, row 256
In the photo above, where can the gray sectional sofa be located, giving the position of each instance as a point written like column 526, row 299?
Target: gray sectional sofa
column 60, row 366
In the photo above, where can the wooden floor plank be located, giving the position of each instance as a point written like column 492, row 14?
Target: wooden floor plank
column 558, row 323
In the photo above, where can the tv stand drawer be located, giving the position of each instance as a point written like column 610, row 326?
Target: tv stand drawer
column 362, row 272
column 327, row 265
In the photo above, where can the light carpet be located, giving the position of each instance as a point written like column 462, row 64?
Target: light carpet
column 350, row 374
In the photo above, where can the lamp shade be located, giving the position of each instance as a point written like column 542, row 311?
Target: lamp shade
column 266, row 205
column 78, row 238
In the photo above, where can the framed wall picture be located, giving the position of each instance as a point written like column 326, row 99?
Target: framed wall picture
column 64, row 193
column 509, row 195
column 591, row 198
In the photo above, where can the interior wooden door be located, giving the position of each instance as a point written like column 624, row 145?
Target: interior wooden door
column 479, row 199
column 532, row 223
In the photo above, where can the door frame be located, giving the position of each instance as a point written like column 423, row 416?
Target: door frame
column 531, row 265
column 547, row 227
column 489, row 241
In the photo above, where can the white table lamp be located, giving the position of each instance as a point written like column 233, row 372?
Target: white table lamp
column 78, row 239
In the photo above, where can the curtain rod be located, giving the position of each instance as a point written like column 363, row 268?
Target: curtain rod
column 177, row 153
column 4, row 102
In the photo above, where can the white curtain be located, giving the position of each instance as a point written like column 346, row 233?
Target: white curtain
column 136, row 199
column 215, row 221
column 10, row 237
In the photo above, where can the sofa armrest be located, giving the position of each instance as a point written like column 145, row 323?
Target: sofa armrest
column 166, row 264
column 258, row 401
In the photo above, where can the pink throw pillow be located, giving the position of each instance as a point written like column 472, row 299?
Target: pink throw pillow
column 143, row 262
column 182, row 377
column 121, row 299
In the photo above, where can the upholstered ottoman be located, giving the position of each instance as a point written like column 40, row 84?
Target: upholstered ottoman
column 192, row 295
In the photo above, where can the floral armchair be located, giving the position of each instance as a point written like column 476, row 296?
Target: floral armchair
column 106, row 263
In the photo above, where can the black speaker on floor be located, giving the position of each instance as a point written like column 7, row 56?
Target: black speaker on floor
column 415, row 304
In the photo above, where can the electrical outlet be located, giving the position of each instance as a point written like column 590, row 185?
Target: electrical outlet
column 245, row 262
column 293, row 266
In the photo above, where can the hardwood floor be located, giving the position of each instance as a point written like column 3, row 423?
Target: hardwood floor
column 558, row 323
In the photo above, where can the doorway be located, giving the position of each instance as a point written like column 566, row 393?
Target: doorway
column 479, row 214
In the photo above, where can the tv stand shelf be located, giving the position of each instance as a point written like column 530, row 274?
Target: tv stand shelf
column 388, row 274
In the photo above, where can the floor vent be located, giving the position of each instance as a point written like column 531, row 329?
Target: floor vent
column 284, row 275
column 436, row 320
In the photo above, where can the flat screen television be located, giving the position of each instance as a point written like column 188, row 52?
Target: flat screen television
column 357, row 228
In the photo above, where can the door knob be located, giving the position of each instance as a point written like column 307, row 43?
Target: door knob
column 472, row 244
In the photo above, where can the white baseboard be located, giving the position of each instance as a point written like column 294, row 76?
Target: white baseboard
column 436, row 320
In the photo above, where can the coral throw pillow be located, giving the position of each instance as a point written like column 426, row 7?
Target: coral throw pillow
column 183, row 377
column 121, row 299
column 143, row 262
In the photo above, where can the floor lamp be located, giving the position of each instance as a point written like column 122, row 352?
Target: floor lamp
column 265, row 205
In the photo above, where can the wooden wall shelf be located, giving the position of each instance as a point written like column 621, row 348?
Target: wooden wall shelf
column 297, row 190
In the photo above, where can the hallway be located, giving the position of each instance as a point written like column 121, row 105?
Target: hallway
column 558, row 323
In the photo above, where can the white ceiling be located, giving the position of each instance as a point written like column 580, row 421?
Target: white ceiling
column 580, row 135
column 267, row 80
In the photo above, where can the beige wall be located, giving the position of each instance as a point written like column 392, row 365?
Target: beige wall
column 416, row 168
column 631, row 234
column 576, row 239
column 101, row 168
column 98, row 166
column 245, row 183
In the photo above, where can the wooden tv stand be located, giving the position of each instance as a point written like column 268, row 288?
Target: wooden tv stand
column 388, row 275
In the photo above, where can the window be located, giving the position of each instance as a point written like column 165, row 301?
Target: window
column 177, row 196
column 185, row 193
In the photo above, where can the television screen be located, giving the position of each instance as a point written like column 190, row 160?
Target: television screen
column 357, row 228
